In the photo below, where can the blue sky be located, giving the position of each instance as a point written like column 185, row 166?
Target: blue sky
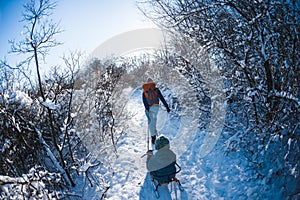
column 87, row 24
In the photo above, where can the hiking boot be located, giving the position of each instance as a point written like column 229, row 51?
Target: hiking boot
column 153, row 138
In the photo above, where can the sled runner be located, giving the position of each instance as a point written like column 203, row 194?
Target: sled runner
column 165, row 175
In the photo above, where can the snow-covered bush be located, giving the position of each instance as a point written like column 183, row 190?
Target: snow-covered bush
column 20, row 150
column 36, row 184
column 256, row 48
column 95, row 120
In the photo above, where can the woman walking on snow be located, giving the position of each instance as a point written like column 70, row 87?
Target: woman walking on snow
column 151, row 96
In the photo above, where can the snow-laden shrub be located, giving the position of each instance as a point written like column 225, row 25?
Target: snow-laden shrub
column 20, row 98
column 36, row 184
column 271, row 147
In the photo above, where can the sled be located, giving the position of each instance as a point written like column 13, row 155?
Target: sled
column 165, row 175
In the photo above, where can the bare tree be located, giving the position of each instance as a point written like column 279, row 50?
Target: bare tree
column 254, row 43
column 39, row 35
column 99, row 81
column 39, row 39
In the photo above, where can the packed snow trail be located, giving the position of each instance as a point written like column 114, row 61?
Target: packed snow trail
column 218, row 175
column 130, row 169
column 130, row 180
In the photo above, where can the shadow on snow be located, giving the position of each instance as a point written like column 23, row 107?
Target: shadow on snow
column 166, row 192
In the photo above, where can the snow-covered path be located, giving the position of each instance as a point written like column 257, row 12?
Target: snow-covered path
column 131, row 180
column 213, row 176
column 130, row 167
